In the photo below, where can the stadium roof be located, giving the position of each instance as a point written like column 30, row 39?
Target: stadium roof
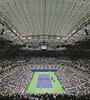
column 54, row 22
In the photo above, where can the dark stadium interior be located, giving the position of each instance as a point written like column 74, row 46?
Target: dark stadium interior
column 44, row 35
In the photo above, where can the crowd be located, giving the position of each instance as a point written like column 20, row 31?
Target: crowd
column 72, row 81
column 80, row 64
column 7, row 64
column 45, row 97
column 17, row 81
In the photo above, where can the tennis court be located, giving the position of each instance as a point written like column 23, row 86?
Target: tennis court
column 45, row 82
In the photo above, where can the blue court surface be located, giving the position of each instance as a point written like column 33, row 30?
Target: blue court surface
column 44, row 81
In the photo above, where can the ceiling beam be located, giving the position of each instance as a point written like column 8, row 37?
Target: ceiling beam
column 8, row 27
column 79, row 28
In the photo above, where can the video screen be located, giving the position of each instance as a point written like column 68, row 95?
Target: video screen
column 43, row 47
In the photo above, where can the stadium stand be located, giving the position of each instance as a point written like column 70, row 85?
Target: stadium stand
column 44, row 49
column 72, row 81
